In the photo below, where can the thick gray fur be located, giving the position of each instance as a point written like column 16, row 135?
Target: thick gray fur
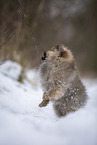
column 60, row 76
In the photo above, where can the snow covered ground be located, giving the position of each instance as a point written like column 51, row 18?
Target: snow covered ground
column 22, row 122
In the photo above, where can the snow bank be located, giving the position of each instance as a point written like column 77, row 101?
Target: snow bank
column 11, row 69
column 22, row 122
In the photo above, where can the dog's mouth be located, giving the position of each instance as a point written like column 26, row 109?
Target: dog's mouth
column 44, row 57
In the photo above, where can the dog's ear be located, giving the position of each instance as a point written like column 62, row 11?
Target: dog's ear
column 66, row 54
column 63, row 53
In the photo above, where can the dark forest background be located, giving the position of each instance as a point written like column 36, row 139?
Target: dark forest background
column 28, row 27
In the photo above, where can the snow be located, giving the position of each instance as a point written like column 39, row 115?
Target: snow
column 11, row 69
column 22, row 122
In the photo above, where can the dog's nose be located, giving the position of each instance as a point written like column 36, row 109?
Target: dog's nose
column 44, row 54
column 43, row 58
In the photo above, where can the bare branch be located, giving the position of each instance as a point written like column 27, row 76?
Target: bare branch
column 6, row 29
column 6, row 40
column 8, row 26
column 28, row 28
column 25, row 18
column 39, row 10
